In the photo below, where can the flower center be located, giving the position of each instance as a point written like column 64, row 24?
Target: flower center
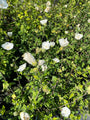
column 78, row 37
column 8, row 47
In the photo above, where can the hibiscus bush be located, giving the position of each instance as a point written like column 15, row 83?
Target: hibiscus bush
column 44, row 59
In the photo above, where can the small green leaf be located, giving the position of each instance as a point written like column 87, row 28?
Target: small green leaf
column 71, row 95
column 2, row 111
column 84, row 75
column 5, row 85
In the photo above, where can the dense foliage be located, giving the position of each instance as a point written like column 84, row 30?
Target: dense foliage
column 43, row 93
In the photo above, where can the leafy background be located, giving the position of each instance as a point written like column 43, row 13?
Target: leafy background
column 43, row 94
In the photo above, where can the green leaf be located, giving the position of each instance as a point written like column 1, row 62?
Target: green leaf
column 84, row 75
column 5, row 85
column 46, row 89
column 2, row 111
column 71, row 95
column 1, row 76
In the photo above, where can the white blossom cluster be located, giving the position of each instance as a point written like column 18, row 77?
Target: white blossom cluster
column 47, row 9
column 28, row 57
column 46, row 45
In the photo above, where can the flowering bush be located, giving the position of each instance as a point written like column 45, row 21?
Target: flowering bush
column 44, row 59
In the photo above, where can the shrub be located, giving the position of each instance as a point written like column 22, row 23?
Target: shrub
column 43, row 88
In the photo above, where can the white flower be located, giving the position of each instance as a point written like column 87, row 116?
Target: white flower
column 21, row 67
column 65, row 111
column 41, row 62
column 46, row 45
column 88, row 20
column 65, row 6
column 66, row 32
column 3, row 4
column 47, row 9
column 43, row 22
column 78, row 36
column 9, row 34
column 56, row 60
column 28, row 57
column 52, row 44
column 7, row 46
column 44, row 67
column 63, row 42
column 24, row 116
column 74, row 16
column 48, row 3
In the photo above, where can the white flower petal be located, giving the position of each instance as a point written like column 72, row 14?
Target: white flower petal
column 28, row 57
column 56, row 60
column 41, row 62
column 48, row 3
column 3, row 4
column 46, row 45
column 88, row 20
column 7, row 46
column 47, row 9
column 78, row 36
column 9, row 34
column 24, row 116
column 63, row 42
column 52, row 44
column 44, row 67
column 43, row 22
column 65, row 111
column 21, row 67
